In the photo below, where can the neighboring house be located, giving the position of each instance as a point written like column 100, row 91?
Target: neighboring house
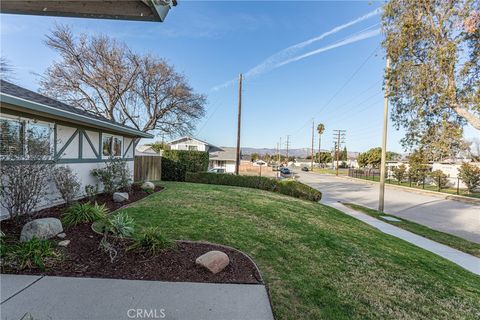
column 220, row 157
column 76, row 138
column 145, row 150
column 225, row 158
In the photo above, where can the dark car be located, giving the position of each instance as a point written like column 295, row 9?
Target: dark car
column 285, row 170
column 305, row 169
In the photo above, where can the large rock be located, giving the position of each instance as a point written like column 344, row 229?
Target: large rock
column 147, row 185
column 214, row 261
column 120, row 197
column 42, row 229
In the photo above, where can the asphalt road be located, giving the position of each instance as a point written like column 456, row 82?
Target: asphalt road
column 454, row 217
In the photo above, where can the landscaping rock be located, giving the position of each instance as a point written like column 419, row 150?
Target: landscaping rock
column 41, row 229
column 120, row 197
column 64, row 243
column 61, row 235
column 147, row 185
column 214, row 261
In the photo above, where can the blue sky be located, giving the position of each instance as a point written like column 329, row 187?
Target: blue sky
column 212, row 42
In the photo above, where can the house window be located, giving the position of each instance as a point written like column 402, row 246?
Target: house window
column 11, row 137
column 193, row 148
column 21, row 137
column 111, row 145
column 221, row 163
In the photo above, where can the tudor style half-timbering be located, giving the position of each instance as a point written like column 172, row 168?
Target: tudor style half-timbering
column 77, row 138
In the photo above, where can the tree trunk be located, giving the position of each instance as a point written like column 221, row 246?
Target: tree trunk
column 470, row 117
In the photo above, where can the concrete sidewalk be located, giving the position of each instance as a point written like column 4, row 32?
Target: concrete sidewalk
column 68, row 298
column 466, row 261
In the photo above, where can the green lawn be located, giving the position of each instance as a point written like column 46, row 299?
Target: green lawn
column 330, row 171
column 438, row 236
column 318, row 263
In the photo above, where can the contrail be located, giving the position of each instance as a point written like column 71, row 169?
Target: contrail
column 275, row 59
column 352, row 39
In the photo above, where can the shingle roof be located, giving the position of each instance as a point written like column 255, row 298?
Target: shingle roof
column 227, row 153
column 31, row 96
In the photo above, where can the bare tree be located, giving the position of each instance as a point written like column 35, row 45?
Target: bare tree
column 6, row 69
column 102, row 76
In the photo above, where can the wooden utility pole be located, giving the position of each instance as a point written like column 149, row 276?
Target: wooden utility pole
column 319, row 150
column 339, row 136
column 313, row 136
column 381, row 196
column 288, row 137
column 280, row 151
column 237, row 162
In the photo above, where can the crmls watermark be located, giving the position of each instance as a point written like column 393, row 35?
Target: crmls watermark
column 146, row 313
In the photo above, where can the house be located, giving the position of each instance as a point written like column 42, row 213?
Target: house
column 146, row 150
column 75, row 137
column 220, row 157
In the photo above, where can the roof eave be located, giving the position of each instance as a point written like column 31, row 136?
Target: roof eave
column 35, row 106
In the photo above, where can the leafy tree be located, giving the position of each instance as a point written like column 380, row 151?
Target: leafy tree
column 418, row 166
column 434, row 73
column 104, row 77
column 324, row 157
column 470, row 175
column 400, row 172
column 158, row 146
column 371, row 158
column 343, row 154
column 442, row 141
column 255, row 157
column 439, row 178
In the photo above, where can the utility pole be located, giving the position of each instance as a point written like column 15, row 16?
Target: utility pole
column 280, row 151
column 339, row 137
column 288, row 137
column 313, row 137
column 237, row 162
column 381, row 196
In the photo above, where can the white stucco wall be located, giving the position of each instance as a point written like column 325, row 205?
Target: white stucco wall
column 185, row 144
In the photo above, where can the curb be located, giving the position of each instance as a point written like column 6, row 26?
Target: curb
column 440, row 195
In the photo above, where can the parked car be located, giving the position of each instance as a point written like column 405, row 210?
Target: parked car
column 217, row 170
column 305, row 169
column 285, row 170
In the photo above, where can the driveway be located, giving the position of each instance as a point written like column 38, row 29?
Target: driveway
column 66, row 298
column 449, row 216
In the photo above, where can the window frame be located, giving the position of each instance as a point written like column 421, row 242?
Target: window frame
column 112, row 137
column 26, row 122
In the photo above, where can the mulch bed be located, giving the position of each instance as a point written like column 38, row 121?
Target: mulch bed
column 84, row 258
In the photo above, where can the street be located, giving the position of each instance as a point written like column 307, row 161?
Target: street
column 454, row 217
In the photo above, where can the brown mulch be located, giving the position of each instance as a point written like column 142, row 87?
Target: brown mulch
column 84, row 258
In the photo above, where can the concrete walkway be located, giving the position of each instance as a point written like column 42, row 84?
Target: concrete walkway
column 68, row 298
column 466, row 261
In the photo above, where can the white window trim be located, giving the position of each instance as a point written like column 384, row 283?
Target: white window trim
column 27, row 121
column 113, row 136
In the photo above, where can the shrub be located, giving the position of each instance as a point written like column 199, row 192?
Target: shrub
column 83, row 212
column 24, row 179
column 66, row 182
column 32, row 253
column 114, row 175
column 439, row 178
column 151, row 240
column 175, row 163
column 287, row 187
column 91, row 192
column 121, row 225
column 470, row 175
column 400, row 172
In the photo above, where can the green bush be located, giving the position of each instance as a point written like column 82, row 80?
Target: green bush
column 287, row 187
column 470, row 175
column 121, row 225
column 83, row 212
column 151, row 240
column 175, row 163
column 439, row 178
column 115, row 175
column 32, row 253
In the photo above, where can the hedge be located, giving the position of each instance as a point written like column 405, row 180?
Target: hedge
column 175, row 163
column 286, row 187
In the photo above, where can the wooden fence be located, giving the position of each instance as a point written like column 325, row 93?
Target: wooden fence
column 147, row 168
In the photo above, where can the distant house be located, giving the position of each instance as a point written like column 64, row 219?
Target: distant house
column 74, row 137
column 145, row 150
column 220, row 157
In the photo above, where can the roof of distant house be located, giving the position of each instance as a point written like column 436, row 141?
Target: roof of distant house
column 225, row 154
column 16, row 95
